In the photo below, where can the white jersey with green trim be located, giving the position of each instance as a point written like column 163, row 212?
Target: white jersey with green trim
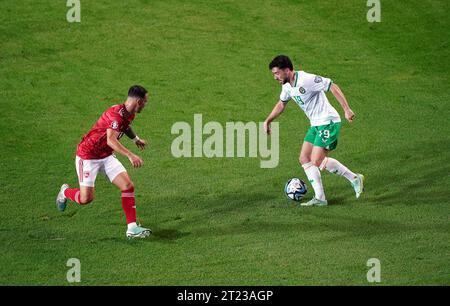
column 309, row 93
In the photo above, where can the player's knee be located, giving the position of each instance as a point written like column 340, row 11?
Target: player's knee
column 128, row 186
column 304, row 160
column 84, row 200
column 317, row 161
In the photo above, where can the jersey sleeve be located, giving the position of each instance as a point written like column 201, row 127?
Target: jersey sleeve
column 314, row 82
column 285, row 96
column 114, row 122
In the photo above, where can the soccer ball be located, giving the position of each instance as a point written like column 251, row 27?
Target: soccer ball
column 295, row 189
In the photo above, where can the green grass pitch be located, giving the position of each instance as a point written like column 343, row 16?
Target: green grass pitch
column 225, row 221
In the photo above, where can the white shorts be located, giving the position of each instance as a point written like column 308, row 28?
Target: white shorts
column 87, row 169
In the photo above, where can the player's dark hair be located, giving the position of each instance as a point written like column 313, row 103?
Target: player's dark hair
column 281, row 62
column 137, row 91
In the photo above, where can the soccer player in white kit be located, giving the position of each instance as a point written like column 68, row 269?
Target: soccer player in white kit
column 308, row 92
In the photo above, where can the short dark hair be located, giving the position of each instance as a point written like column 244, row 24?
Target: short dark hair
column 137, row 91
column 282, row 62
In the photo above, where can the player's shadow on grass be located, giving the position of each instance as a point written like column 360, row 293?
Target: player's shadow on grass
column 340, row 200
column 337, row 227
column 367, row 227
column 397, row 177
column 160, row 235
column 417, row 173
column 168, row 235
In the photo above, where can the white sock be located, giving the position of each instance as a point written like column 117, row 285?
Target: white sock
column 131, row 225
column 313, row 174
column 336, row 167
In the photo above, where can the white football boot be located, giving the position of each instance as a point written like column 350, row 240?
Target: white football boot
column 61, row 200
column 315, row 202
column 138, row 232
column 358, row 184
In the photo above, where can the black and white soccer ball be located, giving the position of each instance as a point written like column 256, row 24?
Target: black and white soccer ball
column 295, row 189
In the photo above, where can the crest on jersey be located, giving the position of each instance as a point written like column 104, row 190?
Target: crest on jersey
column 298, row 100
column 114, row 125
column 302, row 90
column 318, row 79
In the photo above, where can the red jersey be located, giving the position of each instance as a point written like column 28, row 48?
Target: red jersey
column 94, row 144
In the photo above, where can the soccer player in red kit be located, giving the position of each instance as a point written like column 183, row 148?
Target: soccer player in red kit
column 95, row 153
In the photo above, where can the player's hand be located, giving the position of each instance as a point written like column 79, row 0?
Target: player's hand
column 349, row 115
column 135, row 160
column 267, row 128
column 141, row 143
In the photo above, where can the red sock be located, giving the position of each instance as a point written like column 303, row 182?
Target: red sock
column 73, row 194
column 129, row 205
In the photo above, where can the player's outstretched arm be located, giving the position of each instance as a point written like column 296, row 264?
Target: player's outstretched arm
column 339, row 95
column 277, row 110
column 140, row 143
column 114, row 144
